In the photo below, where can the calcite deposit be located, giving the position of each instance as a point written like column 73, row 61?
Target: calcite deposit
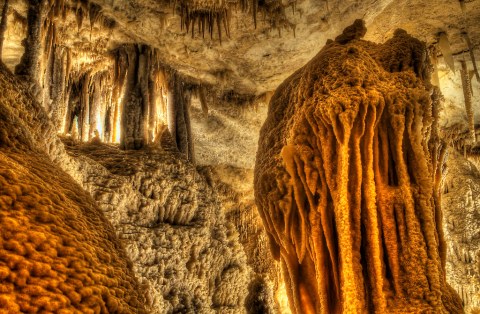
column 346, row 180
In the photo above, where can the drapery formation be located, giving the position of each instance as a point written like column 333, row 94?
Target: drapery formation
column 347, row 180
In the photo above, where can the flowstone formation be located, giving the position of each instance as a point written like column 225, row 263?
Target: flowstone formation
column 347, row 180
column 58, row 253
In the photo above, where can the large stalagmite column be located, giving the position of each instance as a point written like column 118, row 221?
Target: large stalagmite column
column 136, row 99
column 345, row 181
column 30, row 64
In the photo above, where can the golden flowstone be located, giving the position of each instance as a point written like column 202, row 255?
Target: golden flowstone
column 347, row 179
column 58, row 254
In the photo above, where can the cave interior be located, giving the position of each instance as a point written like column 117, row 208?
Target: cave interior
column 263, row 156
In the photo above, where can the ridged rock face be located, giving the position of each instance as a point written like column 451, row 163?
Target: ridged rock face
column 347, row 178
column 57, row 251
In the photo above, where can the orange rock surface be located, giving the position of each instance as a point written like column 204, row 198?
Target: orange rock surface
column 58, row 254
column 347, row 178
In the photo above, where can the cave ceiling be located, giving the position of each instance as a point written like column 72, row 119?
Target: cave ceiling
column 248, row 60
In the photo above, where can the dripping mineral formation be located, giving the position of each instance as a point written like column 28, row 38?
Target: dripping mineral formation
column 346, row 181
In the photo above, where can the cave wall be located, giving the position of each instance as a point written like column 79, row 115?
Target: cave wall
column 58, row 253
column 461, row 206
column 183, row 249
column 347, row 180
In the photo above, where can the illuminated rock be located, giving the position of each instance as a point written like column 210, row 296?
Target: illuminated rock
column 346, row 181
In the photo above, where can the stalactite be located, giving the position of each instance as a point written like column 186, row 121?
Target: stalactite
column 79, row 17
column 472, row 55
column 467, row 93
column 94, row 14
column 3, row 25
column 444, row 46
column 346, row 185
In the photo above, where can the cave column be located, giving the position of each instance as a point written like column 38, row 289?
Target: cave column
column 178, row 113
column 84, row 119
column 467, row 93
column 3, row 26
column 30, row 64
column 136, row 99
column 58, row 87
column 152, row 110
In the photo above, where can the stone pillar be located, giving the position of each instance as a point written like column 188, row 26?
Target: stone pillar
column 345, row 183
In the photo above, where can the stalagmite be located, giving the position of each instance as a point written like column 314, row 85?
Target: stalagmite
column 467, row 93
column 346, row 183
column 3, row 25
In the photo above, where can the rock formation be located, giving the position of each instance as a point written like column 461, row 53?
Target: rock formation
column 461, row 203
column 183, row 250
column 347, row 179
column 57, row 251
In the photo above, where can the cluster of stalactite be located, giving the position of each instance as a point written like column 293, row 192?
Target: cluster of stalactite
column 47, row 62
column 205, row 19
column 206, row 16
column 130, row 100
column 273, row 13
column 348, row 177
column 466, row 76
